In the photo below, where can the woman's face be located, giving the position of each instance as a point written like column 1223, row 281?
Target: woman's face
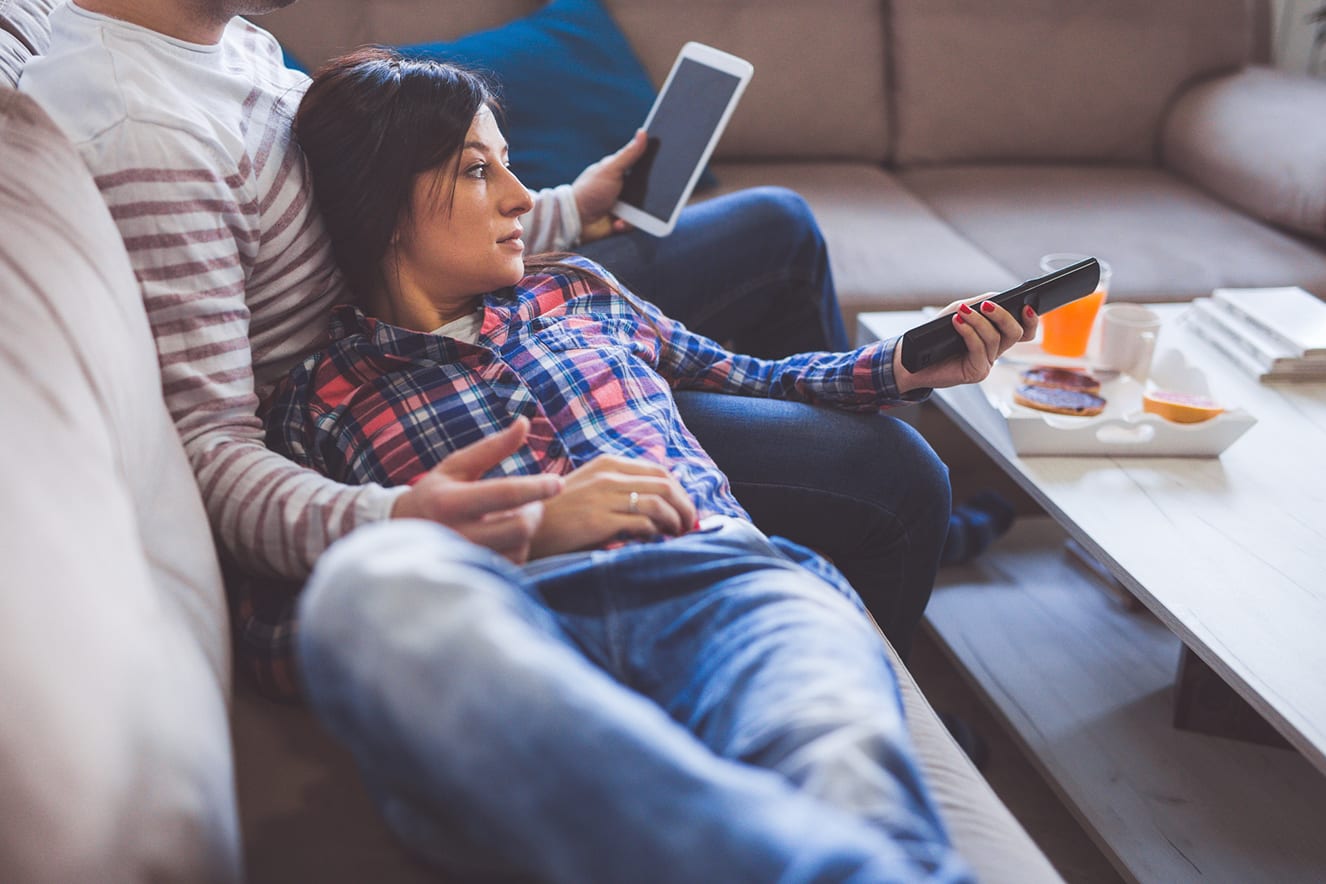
column 462, row 245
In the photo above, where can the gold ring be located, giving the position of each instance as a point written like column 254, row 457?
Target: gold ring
column 633, row 503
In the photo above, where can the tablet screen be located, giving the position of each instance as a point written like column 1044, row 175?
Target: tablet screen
column 678, row 134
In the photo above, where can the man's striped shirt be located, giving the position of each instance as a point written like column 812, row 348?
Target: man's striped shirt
column 191, row 147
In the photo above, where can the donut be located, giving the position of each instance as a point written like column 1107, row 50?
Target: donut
column 1057, row 400
column 1060, row 379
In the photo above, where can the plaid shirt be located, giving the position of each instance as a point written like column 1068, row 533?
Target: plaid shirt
column 592, row 370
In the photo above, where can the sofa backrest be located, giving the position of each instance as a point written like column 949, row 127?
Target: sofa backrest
column 115, row 757
column 1057, row 80
column 820, row 89
column 820, row 85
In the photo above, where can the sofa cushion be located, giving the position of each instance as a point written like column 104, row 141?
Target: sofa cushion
column 887, row 249
column 24, row 32
column 1066, row 80
column 796, row 48
column 1258, row 140
column 799, row 51
column 571, row 89
column 1165, row 239
column 341, row 25
column 115, row 761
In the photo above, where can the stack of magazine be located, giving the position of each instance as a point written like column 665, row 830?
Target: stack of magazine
column 1274, row 334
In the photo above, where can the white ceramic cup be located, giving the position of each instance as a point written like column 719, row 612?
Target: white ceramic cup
column 1128, row 338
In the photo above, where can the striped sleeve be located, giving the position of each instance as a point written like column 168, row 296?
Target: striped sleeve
column 190, row 221
column 553, row 224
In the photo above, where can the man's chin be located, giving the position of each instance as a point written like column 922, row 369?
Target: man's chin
column 257, row 7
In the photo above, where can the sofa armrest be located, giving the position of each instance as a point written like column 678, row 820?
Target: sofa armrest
column 1257, row 139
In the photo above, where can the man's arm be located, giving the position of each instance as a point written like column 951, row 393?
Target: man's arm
column 191, row 225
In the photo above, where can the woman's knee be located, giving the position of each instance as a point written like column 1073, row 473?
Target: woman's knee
column 376, row 591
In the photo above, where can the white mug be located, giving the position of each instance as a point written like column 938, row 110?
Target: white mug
column 1128, row 338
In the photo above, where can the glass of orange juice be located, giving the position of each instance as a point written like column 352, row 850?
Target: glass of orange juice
column 1066, row 331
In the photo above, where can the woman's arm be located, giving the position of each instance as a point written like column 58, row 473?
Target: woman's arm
column 865, row 379
column 612, row 497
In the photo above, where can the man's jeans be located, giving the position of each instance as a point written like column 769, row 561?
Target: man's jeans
column 749, row 268
column 864, row 490
column 701, row 709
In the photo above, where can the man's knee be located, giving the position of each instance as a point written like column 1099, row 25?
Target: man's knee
column 929, row 474
column 776, row 212
column 884, row 461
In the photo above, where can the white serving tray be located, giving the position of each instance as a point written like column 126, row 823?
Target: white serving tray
column 1123, row 428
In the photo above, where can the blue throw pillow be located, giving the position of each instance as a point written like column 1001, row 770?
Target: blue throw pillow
column 571, row 88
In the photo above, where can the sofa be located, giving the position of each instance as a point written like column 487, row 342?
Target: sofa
column 127, row 751
column 945, row 145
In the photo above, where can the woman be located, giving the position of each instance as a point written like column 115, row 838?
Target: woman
column 756, row 646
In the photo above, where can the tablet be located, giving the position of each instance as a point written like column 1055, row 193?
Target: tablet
column 683, row 127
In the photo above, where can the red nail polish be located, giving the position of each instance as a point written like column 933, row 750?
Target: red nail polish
column 964, row 309
column 987, row 307
column 957, row 317
column 1028, row 312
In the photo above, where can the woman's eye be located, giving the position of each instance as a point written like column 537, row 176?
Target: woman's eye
column 478, row 170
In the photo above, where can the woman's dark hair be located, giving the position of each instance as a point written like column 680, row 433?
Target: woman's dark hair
column 370, row 122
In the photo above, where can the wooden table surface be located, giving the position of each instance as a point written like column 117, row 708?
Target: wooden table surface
column 1229, row 552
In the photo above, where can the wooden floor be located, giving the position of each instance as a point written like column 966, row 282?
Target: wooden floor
column 1280, row 796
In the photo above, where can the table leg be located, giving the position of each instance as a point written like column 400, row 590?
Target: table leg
column 1205, row 704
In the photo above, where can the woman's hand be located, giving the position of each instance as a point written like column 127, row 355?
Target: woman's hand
column 501, row 514
column 986, row 328
column 598, row 187
column 597, row 506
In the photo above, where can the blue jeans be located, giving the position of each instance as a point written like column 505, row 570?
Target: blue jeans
column 703, row 709
column 864, row 490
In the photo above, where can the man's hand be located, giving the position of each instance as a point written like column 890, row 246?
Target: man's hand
column 612, row 496
column 986, row 328
column 501, row 514
column 598, row 187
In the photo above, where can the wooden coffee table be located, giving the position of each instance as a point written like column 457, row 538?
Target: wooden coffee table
column 1228, row 556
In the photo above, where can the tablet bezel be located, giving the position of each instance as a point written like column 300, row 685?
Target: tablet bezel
column 713, row 58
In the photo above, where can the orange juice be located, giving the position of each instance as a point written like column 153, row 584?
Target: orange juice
column 1064, row 332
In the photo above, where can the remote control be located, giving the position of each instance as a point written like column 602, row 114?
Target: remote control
column 937, row 340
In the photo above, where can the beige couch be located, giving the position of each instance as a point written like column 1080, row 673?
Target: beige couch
column 124, row 755
column 116, row 762
column 946, row 144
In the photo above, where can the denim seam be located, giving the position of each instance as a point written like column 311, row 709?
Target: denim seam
column 820, row 491
column 738, row 292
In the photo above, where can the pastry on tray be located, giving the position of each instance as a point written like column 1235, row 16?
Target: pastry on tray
column 1057, row 400
column 1061, row 379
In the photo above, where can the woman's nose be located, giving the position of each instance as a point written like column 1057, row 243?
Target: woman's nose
column 517, row 200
